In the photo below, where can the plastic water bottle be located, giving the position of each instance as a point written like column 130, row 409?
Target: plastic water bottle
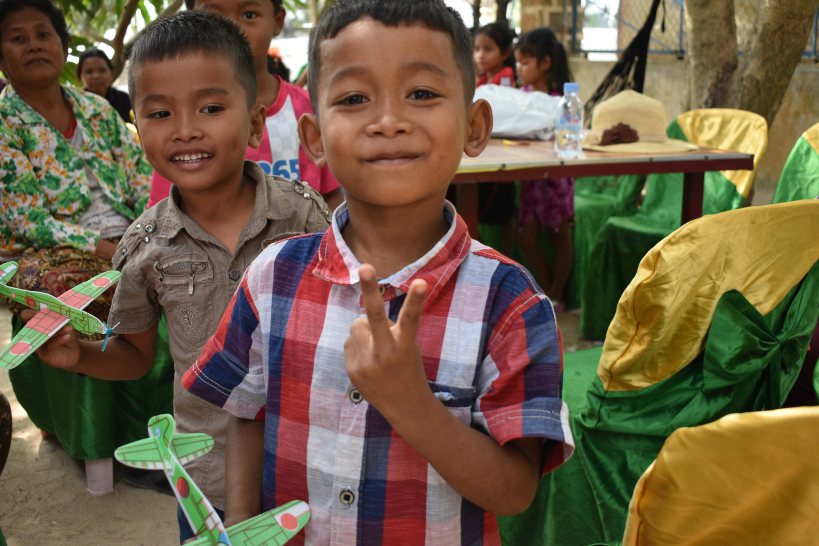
column 569, row 124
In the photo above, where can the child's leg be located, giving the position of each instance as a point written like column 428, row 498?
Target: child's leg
column 564, row 257
column 528, row 235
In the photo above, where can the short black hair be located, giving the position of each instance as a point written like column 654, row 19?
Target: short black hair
column 92, row 52
column 190, row 32
column 433, row 14
column 277, row 4
column 54, row 14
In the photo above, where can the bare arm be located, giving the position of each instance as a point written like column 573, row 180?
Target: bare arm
column 384, row 362
column 243, row 476
column 127, row 356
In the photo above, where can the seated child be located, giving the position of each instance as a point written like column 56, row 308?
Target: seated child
column 400, row 377
column 192, row 80
column 278, row 152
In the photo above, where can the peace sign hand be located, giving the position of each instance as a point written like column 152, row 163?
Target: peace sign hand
column 382, row 358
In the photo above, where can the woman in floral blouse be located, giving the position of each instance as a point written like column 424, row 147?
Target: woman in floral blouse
column 72, row 179
column 65, row 152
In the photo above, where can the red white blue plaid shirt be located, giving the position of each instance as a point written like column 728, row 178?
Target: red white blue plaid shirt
column 492, row 354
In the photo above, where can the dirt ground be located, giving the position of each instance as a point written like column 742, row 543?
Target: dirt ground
column 44, row 501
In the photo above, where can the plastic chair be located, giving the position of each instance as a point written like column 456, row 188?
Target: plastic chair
column 748, row 478
column 596, row 199
column 800, row 174
column 716, row 321
column 624, row 240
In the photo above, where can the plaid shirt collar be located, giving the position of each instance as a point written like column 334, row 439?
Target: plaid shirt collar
column 337, row 264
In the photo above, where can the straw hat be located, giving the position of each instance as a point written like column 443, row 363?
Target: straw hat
column 630, row 122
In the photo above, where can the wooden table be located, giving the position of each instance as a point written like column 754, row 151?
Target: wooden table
column 507, row 161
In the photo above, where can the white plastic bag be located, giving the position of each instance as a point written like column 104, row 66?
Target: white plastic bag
column 518, row 113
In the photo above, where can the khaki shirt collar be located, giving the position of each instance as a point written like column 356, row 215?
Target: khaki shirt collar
column 267, row 206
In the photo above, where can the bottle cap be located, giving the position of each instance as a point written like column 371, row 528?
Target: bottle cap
column 570, row 87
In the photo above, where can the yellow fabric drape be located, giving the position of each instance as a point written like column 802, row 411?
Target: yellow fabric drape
column 748, row 478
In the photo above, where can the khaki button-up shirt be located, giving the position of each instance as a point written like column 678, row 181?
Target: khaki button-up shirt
column 169, row 264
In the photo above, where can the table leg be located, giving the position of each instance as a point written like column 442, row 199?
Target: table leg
column 467, row 205
column 693, row 189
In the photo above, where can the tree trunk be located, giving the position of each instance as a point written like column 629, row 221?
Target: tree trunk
column 775, row 50
column 758, row 83
column 501, row 15
column 712, row 52
column 476, row 14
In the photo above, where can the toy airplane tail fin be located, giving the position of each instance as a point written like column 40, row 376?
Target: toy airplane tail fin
column 7, row 271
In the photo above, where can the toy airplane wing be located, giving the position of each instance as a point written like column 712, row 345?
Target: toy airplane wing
column 36, row 332
column 145, row 454
column 7, row 271
column 140, row 454
column 275, row 527
column 188, row 447
column 84, row 293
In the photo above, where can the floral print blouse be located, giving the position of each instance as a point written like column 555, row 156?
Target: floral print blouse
column 43, row 182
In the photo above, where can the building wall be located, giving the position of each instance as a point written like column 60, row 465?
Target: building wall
column 664, row 77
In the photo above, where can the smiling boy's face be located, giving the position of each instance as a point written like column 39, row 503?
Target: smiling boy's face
column 393, row 122
column 193, row 120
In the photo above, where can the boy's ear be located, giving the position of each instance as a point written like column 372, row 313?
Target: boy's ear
column 310, row 136
column 257, row 117
column 479, row 129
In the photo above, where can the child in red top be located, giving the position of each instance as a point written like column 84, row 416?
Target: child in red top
column 493, row 55
column 279, row 152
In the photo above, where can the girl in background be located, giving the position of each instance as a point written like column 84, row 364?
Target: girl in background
column 494, row 63
column 542, row 65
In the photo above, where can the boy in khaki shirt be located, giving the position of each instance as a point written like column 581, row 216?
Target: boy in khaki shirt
column 192, row 82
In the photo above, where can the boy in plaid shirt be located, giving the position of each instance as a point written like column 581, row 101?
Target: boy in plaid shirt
column 399, row 376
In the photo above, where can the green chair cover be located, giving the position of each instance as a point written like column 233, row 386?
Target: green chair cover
column 800, row 174
column 624, row 240
column 749, row 363
column 91, row 417
column 697, row 335
column 596, row 199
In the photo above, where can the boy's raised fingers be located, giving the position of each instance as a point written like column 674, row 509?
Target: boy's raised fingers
column 410, row 315
column 374, row 305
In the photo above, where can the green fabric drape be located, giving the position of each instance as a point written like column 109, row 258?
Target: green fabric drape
column 749, row 363
column 596, row 199
column 800, row 174
column 91, row 417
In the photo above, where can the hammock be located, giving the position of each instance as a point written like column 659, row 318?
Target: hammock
column 629, row 72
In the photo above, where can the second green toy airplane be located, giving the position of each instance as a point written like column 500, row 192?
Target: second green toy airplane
column 167, row 451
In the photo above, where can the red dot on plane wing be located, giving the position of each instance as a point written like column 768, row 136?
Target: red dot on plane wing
column 20, row 348
column 182, row 487
column 102, row 281
column 289, row 522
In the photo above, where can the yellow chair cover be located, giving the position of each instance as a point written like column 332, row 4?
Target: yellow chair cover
column 665, row 311
column 748, row 478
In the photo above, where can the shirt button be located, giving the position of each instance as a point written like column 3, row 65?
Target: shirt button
column 235, row 275
column 346, row 497
column 355, row 396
